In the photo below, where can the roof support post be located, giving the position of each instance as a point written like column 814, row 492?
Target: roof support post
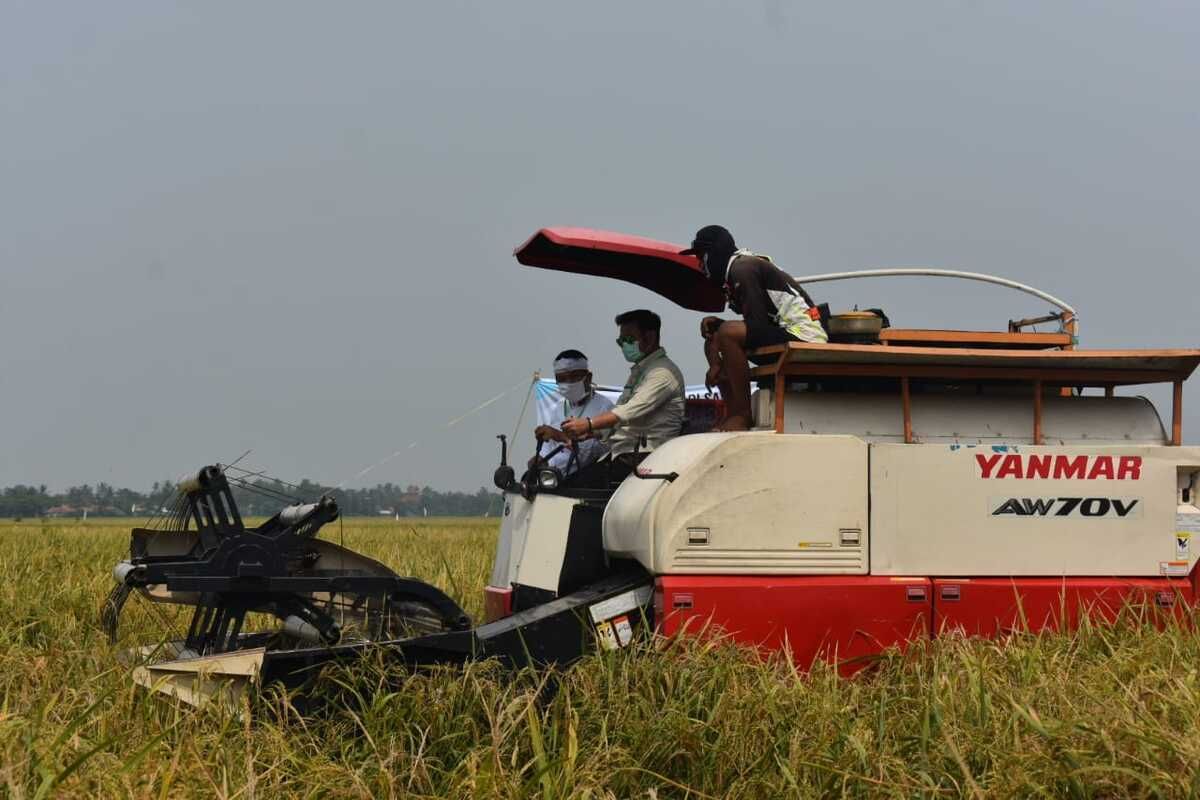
column 1108, row 391
column 1037, row 412
column 780, row 389
column 1071, row 326
column 906, row 405
column 1177, row 415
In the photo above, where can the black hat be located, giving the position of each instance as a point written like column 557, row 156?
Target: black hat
column 708, row 238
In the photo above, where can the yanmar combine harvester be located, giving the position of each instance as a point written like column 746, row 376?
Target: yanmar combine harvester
column 898, row 484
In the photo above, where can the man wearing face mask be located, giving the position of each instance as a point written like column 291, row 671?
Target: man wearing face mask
column 652, row 406
column 580, row 400
column 775, row 309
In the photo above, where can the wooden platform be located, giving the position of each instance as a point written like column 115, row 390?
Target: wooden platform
column 977, row 339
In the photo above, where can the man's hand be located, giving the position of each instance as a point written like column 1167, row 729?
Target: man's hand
column 576, row 428
column 545, row 433
column 709, row 325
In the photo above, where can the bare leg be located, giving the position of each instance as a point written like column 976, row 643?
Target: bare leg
column 731, row 343
column 724, row 386
column 713, row 354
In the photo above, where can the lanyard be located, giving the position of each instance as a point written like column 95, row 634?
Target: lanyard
column 582, row 407
column 640, row 369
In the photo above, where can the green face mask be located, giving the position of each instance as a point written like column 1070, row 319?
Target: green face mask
column 630, row 350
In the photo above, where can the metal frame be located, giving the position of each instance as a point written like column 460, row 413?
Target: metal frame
column 1177, row 414
column 1040, row 377
column 269, row 569
column 230, row 570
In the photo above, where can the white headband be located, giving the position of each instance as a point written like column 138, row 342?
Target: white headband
column 570, row 364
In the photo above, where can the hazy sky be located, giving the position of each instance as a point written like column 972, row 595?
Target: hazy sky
column 288, row 226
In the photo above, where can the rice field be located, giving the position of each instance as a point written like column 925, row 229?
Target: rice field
column 1108, row 712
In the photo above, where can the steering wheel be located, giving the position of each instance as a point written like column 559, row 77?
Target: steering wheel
column 530, row 481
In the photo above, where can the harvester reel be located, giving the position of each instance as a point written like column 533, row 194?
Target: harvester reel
column 274, row 587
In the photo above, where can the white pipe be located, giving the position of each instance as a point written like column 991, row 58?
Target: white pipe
column 294, row 514
column 937, row 273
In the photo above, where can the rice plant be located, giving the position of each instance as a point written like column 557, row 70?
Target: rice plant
column 1109, row 711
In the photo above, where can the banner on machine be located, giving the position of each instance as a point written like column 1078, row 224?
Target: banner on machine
column 549, row 401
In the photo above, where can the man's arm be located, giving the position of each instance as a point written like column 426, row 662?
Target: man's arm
column 584, row 427
column 549, row 433
column 657, row 387
column 589, row 449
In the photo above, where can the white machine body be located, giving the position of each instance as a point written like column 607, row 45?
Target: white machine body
column 1108, row 497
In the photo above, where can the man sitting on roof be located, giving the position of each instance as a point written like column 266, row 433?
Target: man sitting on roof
column 650, row 409
column 774, row 307
column 579, row 400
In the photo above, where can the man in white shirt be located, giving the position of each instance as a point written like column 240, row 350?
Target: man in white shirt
column 580, row 400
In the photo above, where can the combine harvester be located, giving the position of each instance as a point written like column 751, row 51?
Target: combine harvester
column 898, row 484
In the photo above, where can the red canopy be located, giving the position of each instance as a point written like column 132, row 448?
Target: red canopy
column 655, row 265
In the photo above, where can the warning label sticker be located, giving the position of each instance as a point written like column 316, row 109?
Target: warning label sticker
column 624, row 630
column 1173, row 568
column 1183, row 545
column 624, row 602
column 607, row 637
column 1187, row 523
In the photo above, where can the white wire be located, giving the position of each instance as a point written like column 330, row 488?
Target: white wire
column 521, row 417
column 416, row 442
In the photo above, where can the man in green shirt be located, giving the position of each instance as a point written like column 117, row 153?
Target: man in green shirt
column 650, row 410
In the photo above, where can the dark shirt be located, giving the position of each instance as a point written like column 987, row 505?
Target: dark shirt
column 766, row 295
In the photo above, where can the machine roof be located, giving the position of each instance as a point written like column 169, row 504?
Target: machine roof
column 1065, row 367
column 649, row 263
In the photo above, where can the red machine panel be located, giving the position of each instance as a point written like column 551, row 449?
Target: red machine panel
column 995, row 606
column 842, row 617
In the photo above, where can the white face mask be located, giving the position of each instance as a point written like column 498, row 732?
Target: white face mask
column 573, row 392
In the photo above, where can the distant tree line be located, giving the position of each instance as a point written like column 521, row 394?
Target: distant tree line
column 265, row 499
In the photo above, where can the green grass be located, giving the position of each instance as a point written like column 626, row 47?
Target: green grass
column 1107, row 712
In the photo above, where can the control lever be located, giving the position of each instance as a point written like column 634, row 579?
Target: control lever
column 650, row 476
column 669, row 477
